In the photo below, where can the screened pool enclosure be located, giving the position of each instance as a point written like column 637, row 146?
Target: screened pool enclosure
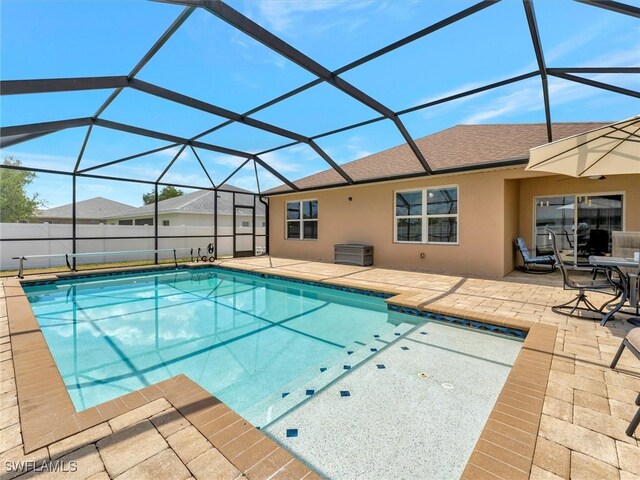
column 89, row 125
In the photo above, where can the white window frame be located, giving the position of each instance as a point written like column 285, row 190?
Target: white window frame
column 301, row 220
column 425, row 217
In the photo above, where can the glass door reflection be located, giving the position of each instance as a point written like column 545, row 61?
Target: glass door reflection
column 582, row 223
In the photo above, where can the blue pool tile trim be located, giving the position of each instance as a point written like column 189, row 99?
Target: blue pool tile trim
column 512, row 332
column 360, row 291
column 404, row 348
column 381, row 366
column 285, row 394
column 373, row 349
column 345, row 393
column 323, row 369
column 65, row 276
column 292, row 432
column 347, row 367
column 310, row 392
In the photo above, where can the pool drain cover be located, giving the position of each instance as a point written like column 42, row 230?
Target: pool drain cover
column 423, row 375
column 448, row 386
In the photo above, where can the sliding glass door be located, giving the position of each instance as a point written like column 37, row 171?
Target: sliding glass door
column 582, row 223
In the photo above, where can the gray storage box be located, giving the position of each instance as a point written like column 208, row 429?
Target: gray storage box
column 354, row 254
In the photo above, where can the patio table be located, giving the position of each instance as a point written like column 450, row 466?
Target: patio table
column 615, row 264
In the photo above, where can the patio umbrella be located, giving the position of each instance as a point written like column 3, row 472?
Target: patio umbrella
column 610, row 150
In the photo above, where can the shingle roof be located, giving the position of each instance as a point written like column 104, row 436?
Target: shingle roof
column 456, row 147
column 198, row 202
column 94, row 208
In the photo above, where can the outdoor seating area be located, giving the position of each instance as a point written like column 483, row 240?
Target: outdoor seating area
column 539, row 264
column 304, row 239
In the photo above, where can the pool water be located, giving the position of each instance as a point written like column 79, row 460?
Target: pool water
column 244, row 338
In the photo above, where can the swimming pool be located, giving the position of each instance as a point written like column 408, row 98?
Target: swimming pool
column 248, row 340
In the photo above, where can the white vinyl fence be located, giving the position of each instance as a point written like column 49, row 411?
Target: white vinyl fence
column 45, row 239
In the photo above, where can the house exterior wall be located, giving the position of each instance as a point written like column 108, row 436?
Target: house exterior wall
column 511, row 222
column 494, row 208
column 628, row 185
column 369, row 219
column 67, row 221
column 195, row 220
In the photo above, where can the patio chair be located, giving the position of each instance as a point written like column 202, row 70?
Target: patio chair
column 539, row 264
column 632, row 342
column 581, row 283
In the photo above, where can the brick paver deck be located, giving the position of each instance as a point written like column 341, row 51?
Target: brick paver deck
column 577, row 433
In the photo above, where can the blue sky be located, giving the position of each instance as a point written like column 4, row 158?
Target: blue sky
column 211, row 61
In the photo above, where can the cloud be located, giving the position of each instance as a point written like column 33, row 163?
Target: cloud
column 40, row 160
column 291, row 16
column 248, row 182
column 529, row 98
column 290, row 160
column 570, row 45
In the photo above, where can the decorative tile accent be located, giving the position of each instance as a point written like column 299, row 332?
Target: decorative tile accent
column 323, row 369
column 397, row 334
column 349, row 352
column 359, row 291
column 373, row 349
column 80, row 276
column 424, row 333
column 512, row 332
column 285, row 394
column 347, row 367
column 376, row 336
column 292, row 432
column 381, row 366
column 404, row 348
column 345, row 393
column 310, row 391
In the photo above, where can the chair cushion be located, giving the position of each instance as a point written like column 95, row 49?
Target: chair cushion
column 550, row 259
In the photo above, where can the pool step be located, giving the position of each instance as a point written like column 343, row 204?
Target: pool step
column 313, row 380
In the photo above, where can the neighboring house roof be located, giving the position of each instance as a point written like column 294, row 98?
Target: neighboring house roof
column 94, row 208
column 198, row 202
column 459, row 147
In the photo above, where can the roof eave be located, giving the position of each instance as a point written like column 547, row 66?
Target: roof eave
column 444, row 171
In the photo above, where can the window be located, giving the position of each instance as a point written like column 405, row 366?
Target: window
column 165, row 223
column 125, row 222
column 427, row 216
column 302, row 220
column 144, row 221
column 245, row 224
column 264, row 224
column 584, row 224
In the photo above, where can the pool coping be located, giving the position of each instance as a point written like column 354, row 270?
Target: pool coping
column 504, row 449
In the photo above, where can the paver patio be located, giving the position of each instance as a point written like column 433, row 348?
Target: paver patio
column 586, row 406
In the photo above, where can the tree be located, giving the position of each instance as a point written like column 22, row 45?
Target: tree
column 164, row 194
column 15, row 204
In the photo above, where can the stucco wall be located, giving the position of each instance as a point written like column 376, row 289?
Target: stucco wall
column 511, row 223
column 494, row 208
column 629, row 185
column 198, row 220
column 369, row 219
